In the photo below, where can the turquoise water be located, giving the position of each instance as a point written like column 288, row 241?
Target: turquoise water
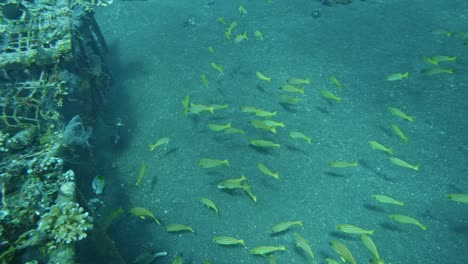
column 159, row 49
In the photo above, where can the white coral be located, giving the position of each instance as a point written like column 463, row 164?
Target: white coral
column 65, row 223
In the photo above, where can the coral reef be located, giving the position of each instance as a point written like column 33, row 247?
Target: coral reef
column 39, row 68
column 65, row 223
column 30, row 186
column 22, row 139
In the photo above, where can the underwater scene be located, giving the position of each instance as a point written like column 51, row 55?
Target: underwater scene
column 268, row 131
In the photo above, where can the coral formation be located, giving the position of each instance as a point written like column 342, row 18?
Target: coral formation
column 22, row 139
column 65, row 223
column 39, row 68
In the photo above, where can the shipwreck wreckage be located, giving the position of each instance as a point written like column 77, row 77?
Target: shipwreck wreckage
column 51, row 65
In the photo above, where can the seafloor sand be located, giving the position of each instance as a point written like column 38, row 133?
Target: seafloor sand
column 159, row 49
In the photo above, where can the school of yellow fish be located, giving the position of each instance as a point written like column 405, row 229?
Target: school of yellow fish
column 291, row 90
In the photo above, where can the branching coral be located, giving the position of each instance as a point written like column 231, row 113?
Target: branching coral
column 65, row 223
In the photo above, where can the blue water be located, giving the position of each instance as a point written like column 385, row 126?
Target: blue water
column 159, row 49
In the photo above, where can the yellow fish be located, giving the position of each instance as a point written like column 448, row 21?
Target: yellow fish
column 217, row 128
column 262, row 125
column 233, row 130
column 289, row 100
column 261, row 143
column 442, row 31
column 285, row 225
column 210, row 204
column 331, row 261
column 143, row 213
column 397, row 76
column 367, row 241
column 402, row 163
column 458, row 197
column 241, row 37
column 242, row 11
column 186, row 104
column 263, row 250
column 234, row 183
column 211, row 50
column 299, row 135
column 397, row 112
column 249, row 192
column 177, row 260
column 141, row 174
column 249, row 109
column 440, row 59
column 199, row 108
column 178, row 228
column 238, row 183
column 396, row 129
column 229, row 29
column 298, row 81
column 219, row 107
column 335, row 82
column 387, row 200
column 377, row 146
column 262, row 77
column 204, row 80
column 211, row 163
column 343, row 164
column 111, row 217
column 461, row 35
column 407, row 220
column 351, row 229
column 160, row 142
column 437, row 71
column 343, row 251
column 435, row 60
column 221, row 20
column 272, row 123
column 227, row 241
column 377, row 261
column 329, row 95
column 258, row 35
column 292, row 89
column 263, row 113
column 232, row 25
column 304, row 245
column 218, row 68
column 263, row 168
